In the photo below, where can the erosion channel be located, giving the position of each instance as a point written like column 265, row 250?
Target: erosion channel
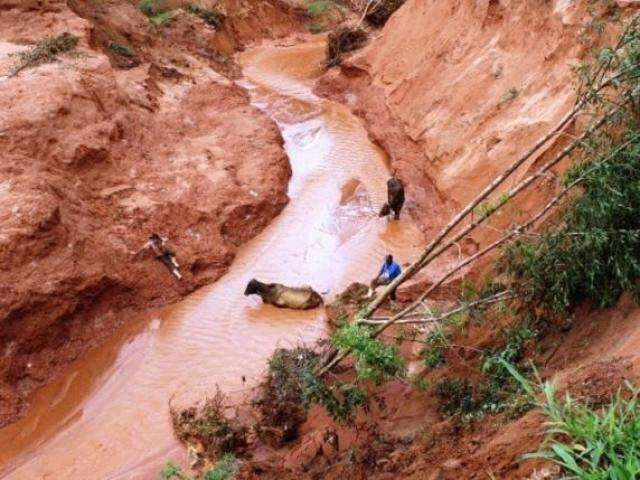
column 107, row 416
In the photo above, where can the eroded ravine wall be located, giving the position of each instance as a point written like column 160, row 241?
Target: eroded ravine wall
column 99, row 153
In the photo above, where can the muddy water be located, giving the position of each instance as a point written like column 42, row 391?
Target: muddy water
column 107, row 417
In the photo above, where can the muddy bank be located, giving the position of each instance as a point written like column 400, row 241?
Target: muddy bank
column 98, row 154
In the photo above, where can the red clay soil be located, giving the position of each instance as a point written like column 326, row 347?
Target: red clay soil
column 455, row 91
column 404, row 433
column 98, row 154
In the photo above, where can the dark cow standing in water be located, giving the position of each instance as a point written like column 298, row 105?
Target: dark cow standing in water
column 297, row 298
column 395, row 198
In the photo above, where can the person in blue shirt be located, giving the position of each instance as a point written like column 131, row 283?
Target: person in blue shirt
column 388, row 272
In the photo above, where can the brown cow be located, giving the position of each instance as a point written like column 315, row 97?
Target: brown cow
column 281, row 296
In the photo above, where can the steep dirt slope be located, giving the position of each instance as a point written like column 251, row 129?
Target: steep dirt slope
column 95, row 158
column 456, row 90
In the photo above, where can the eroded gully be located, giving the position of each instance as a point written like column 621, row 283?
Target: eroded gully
column 107, row 417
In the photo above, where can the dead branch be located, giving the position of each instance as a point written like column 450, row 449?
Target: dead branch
column 419, row 318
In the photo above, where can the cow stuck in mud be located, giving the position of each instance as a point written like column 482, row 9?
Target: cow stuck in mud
column 281, row 296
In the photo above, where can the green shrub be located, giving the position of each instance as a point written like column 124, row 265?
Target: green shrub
column 171, row 470
column 225, row 469
column 340, row 400
column 291, row 387
column 457, row 396
column 320, row 7
column 496, row 391
column 210, row 16
column 148, row 7
column 156, row 11
column 588, row 443
column 594, row 252
column 282, row 403
column 375, row 361
column 162, row 19
column 515, row 340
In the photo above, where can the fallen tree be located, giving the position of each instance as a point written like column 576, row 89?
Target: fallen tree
column 614, row 75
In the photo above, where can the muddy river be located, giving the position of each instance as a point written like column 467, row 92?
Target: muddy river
column 107, row 416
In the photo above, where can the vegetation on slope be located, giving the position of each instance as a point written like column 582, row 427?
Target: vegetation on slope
column 588, row 441
column 46, row 51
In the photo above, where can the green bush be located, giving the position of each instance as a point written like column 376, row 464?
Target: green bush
column 496, row 391
column 291, row 387
column 515, row 340
column 340, row 400
column 594, row 252
column 171, row 470
column 148, row 7
column 282, row 403
column 457, row 396
column 225, row 469
column 320, row 7
column 375, row 361
column 162, row 19
column 588, row 443
column 433, row 354
column 156, row 11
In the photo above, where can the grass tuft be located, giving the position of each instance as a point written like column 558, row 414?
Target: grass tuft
column 588, row 443
column 46, row 51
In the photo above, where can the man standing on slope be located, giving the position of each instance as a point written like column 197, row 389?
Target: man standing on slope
column 389, row 271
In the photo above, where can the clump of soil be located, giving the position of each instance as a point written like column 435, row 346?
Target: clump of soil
column 382, row 10
column 281, row 402
column 208, row 430
column 344, row 40
column 347, row 303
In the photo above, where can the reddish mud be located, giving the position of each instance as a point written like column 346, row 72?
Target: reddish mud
column 95, row 158
column 108, row 415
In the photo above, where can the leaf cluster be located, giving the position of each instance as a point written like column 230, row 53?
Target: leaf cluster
column 375, row 361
